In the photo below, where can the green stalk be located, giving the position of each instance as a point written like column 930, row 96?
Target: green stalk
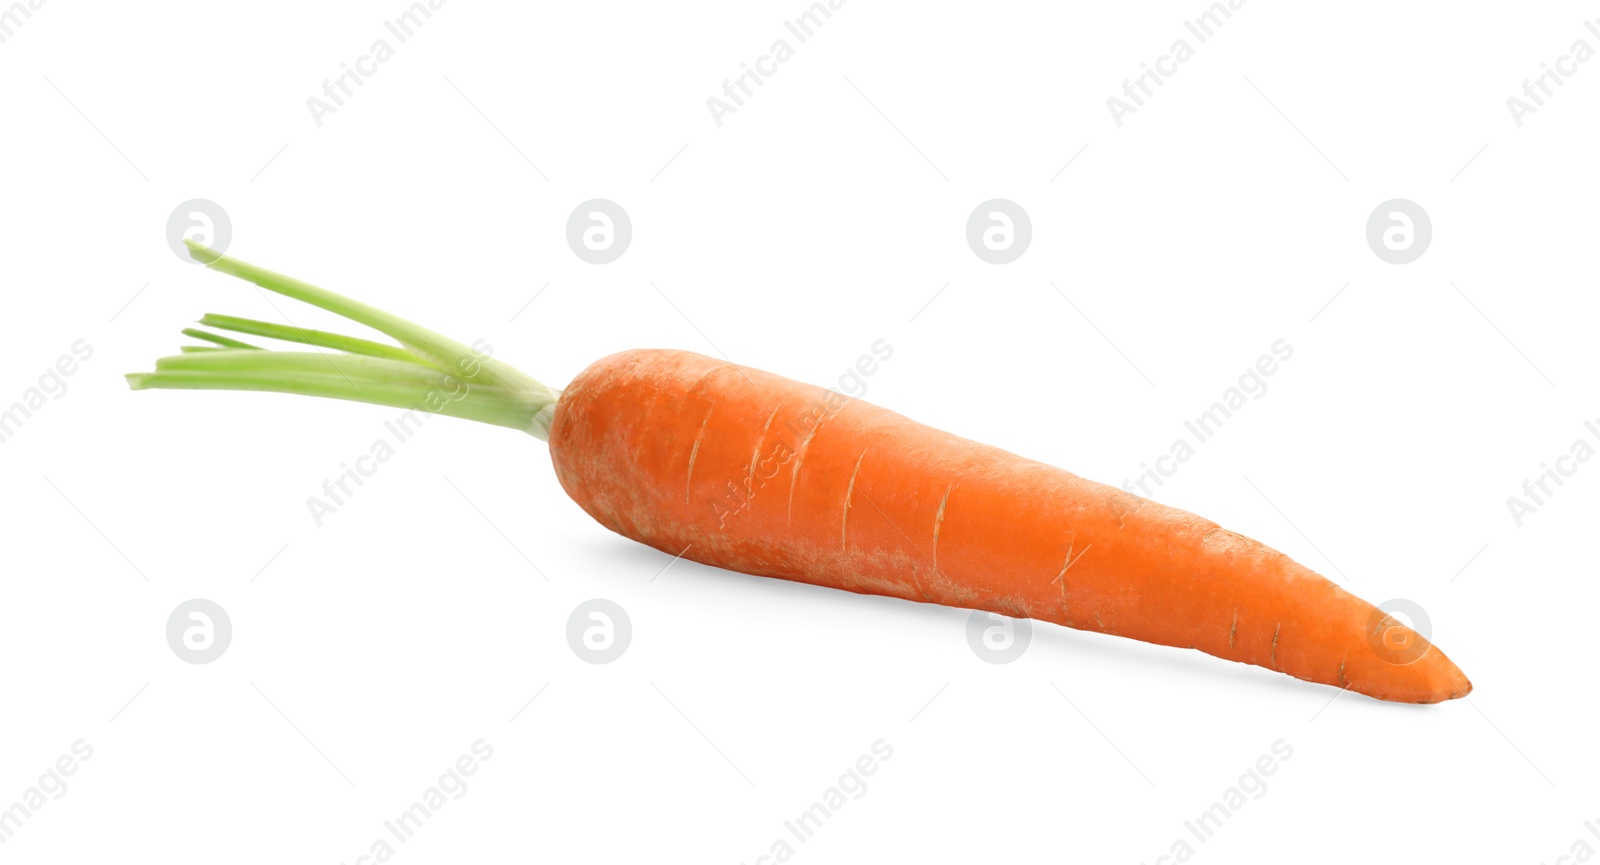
column 496, row 406
column 430, row 373
column 440, row 350
column 219, row 339
column 323, row 339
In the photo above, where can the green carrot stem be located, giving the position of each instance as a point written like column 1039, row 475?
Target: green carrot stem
column 315, row 363
column 430, row 373
column 219, row 339
column 426, row 392
column 323, row 339
column 440, row 350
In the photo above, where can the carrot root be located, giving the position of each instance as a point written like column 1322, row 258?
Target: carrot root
column 884, row 505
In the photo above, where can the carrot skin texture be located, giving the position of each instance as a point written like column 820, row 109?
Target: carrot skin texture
column 757, row 473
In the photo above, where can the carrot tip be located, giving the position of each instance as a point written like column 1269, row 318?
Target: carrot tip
column 1450, row 682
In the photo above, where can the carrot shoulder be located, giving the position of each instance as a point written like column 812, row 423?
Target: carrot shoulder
column 757, row 473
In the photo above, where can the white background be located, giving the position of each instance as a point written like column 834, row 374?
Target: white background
column 1227, row 213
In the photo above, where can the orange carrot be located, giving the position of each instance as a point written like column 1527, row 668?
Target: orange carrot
column 746, row 470
column 756, row 473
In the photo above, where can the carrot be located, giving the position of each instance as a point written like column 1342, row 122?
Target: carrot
column 742, row 469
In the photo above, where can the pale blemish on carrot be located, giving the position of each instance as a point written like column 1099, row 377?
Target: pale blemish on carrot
column 938, row 520
column 849, row 490
column 694, row 454
column 800, row 455
column 755, row 456
column 1061, row 578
